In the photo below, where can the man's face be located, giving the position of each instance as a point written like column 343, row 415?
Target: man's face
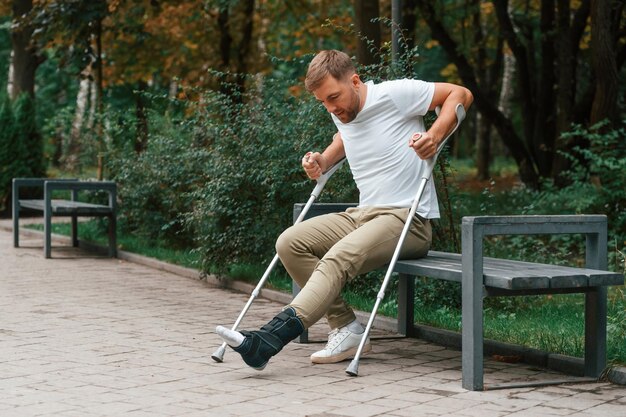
column 340, row 97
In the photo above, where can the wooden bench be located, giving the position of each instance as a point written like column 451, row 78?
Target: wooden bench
column 482, row 277
column 63, row 207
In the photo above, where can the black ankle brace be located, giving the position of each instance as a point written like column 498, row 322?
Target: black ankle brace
column 260, row 345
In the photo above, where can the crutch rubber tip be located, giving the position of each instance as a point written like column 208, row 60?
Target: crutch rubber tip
column 218, row 355
column 353, row 368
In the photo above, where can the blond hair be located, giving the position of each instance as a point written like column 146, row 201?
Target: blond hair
column 330, row 62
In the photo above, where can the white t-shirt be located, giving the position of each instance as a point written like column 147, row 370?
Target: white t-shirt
column 386, row 170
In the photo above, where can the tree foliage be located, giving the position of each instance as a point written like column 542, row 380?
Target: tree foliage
column 17, row 158
column 555, row 85
column 200, row 110
column 28, row 137
column 168, row 45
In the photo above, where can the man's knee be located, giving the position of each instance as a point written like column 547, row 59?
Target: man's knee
column 285, row 244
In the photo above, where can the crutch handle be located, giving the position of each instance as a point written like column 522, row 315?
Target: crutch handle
column 321, row 181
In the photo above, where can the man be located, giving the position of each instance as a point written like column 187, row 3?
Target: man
column 381, row 133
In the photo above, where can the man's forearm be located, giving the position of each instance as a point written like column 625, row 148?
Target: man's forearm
column 334, row 152
column 446, row 120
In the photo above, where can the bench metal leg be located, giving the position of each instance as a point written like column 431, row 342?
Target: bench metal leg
column 472, row 309
column 472, row 338
column 406, row 305
column 596, row 257
column 16, row 225
column 15, row 209
column 47, row 230
column 74, row 231
column 595, row 331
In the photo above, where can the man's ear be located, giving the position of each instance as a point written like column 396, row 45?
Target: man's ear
column 355, row 80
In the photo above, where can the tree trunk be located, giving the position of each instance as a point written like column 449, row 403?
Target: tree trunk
column 24, row 60
column 10, row 77
column 569, row 32
column 545, row 117
column 506, row 95
column 482, row 99
column 409, row 21
column 92, row 112
column 97, row 88
column 223, row 21
column 483, row 147
column 369, row 32
column 484, row 77
column 522, row 59
column 506, row 89
column 603, row 59
column 565, row 68
column 243, row 51
column 70, row 158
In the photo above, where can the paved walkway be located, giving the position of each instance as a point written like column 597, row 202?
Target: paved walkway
column 87, row 336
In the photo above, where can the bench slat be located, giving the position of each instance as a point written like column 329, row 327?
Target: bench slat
column 68, row 208
column 508, row 274
column 558, row 276
column 442, row 268
column 562, row 276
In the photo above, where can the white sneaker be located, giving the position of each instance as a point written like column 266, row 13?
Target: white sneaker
column 342, row 344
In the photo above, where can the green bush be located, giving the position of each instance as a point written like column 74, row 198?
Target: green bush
column 13, row 153
column 255, row 175
column 225, row 179
column 154, row 186
column 28, row 134
column 597, row 186
column 616, row 326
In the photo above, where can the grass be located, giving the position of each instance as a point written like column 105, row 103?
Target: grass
column 549, row 323
column 93, row 231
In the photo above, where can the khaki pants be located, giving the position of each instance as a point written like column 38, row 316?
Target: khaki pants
column 323, row 253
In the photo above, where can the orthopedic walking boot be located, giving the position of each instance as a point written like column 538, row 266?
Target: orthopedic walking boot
column 258, row 346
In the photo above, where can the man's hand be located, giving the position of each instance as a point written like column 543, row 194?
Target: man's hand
column 314, row 164
column 424, row 145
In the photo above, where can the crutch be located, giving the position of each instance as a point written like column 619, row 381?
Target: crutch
column 218, row 355
column 353, row 368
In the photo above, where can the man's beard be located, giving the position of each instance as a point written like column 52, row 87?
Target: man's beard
column 351, row 113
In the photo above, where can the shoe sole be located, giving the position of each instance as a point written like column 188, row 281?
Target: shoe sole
column 348, row 354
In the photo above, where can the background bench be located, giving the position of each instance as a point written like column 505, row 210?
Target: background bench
column 490, row 277
column 63, row 207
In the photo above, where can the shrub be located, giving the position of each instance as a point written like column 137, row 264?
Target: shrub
column 154, row 185
column 28, row 135
column 595, row 186
column 13, row 154
column 597, row 180
column 255, row 175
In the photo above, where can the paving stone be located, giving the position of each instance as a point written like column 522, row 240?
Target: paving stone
column 86, row 336
column 481, row 410
column 367, row 409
